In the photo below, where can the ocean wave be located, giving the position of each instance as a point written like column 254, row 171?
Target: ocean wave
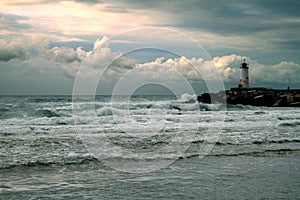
column 42, row 99
column 5, row 110
column 261, row 153
column 76, row 160
column 260, row 113
column 255, row 142
column 211, row 107
column 119, row 108
column 46, row 113
column 2, row 110
column 279, row 141
column 229, row 107
column 285, row 118
column 239, row 107
column 290, row 124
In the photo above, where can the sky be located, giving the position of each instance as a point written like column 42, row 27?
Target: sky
column 50, row 47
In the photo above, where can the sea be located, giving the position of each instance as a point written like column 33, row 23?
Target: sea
column 146, row 147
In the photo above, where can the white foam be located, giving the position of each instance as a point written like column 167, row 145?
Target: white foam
column 188, row 98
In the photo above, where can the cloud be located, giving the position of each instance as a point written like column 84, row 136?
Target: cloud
column 206, row 10
column 74, row 17
column 54, row 67
column 194, row 69
column 224, row 27
column 104, row 60
column 39, row 2
column 283, row 72
column 100, row 44
column 12, row 50
column 66, row 55
column 248, row 22
column 31, row 67
column 227, row 66
column 35, row 51
column 163, row 69
column 11, row 23
column 33, row 76
column 116, row 9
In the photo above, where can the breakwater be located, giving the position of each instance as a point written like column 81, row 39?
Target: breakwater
column 255, row 97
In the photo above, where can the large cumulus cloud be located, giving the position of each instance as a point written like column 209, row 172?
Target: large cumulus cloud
column 34, row 64
column 228, row 67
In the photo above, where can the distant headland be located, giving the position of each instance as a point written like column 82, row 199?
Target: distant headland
column 257, row 96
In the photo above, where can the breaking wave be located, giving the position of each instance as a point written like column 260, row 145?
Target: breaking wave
column 105, row 111
column 187, row 98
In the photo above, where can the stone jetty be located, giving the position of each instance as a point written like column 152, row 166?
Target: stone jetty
column 254, row 97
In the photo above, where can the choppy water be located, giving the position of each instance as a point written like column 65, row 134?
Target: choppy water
column 147, row 148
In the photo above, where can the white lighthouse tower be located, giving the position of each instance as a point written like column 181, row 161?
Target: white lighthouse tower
column 244, row 77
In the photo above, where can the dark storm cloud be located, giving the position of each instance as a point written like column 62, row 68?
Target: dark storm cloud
column 279, row 8
column 229, row 8
column 224, row 17
column 270, row 22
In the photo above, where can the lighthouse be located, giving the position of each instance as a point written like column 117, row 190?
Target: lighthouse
column 244, row 76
